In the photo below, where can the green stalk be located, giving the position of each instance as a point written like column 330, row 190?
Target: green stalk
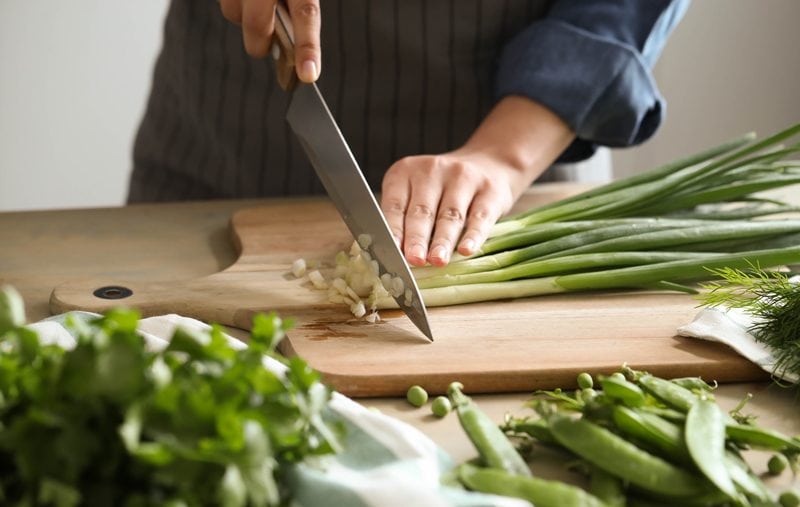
column 564, row 243
column 560, row 265
column 690, row 270
column 735, row 231
column 646, row 176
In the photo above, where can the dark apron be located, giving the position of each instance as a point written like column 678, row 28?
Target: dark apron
column 402, row 77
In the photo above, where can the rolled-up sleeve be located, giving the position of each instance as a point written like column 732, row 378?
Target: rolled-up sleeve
column 590, row 63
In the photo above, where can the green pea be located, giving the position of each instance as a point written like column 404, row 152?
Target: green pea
column 585, row 381
column 789, row 499
column 776, row 464
column 618, row 375
column 441, row 406
column 417, row 396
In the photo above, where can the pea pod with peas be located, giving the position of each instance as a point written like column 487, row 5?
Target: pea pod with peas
column 638, row 438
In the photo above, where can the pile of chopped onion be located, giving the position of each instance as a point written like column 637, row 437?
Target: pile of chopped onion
column 355, row 280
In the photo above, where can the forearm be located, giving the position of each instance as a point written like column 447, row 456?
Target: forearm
column 522, row 135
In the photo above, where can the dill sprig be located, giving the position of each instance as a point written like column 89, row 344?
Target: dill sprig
column 773, row 302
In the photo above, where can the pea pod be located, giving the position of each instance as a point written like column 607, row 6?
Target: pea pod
column 694, row 384
column 628, row 393
column 536, row 428
column 606, row 487
column 621, row 458
column 744, row 478
column 659, row 433
column 540, row 492
column 705, row 439
column 670, row 394
column 761, row 438
column 495, row 449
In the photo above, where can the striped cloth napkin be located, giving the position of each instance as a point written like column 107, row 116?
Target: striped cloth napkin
column 385, row 461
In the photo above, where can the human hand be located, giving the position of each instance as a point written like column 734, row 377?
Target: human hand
column 257, row 19
column 435, row 203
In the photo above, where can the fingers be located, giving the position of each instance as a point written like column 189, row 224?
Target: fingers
column 450, row 217
column 395, row 192
column 306, row 22
column 257, row 18
column 483, row 214
column 258, row 23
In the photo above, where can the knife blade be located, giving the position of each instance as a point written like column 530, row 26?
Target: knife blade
column 329, row 154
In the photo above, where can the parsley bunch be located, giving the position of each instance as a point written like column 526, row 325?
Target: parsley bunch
column 112, row 423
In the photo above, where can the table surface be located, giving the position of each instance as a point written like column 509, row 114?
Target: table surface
column 165, row 242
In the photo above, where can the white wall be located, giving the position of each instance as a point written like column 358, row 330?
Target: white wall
column 74, row 77
column 730, row 67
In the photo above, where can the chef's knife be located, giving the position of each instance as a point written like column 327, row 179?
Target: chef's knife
column 328, row 152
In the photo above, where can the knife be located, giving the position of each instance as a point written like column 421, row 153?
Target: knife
column 337, row 169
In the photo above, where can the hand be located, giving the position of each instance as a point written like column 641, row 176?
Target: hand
column 257, row 19
column 434, row 203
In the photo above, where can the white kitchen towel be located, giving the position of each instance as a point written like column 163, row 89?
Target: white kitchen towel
column 385, row 462
column 731, row 327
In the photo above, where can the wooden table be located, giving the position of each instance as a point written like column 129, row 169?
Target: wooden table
column 164, row 242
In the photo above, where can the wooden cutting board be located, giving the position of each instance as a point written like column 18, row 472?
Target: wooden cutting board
column 501, row 346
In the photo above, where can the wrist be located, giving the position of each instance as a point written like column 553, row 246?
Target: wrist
column 522, row 135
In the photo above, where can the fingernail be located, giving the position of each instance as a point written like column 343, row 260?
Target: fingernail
column 417, row 252
column 468, row 245
column 308, row 71
column 439, row 253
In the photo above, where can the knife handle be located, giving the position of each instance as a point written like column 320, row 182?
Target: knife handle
column 283, row 48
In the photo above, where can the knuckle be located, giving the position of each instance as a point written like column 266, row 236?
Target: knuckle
column 307, row 47
column 307, row 11
column 422, row 211
column 451, row 214
column 480, row 214
column 394, row 206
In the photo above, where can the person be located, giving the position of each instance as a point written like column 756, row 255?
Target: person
column 452, row 108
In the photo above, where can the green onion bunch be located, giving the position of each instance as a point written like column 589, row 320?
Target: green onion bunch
column 660, row 229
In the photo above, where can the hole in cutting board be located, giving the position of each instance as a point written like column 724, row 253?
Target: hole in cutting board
column 113, row 292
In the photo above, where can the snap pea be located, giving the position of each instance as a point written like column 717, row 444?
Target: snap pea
column 760, row 438
column 669, row 393
column 495, row 449
column 606, row 487
column 705, row 439
column 621, row 458
column 536, row 428
column 618, row 388
column 744, row 479
column 693, row 384
column 540, row 492
column 663, row 435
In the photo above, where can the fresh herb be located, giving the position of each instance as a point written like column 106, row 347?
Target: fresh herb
column 774, row 303
column 113, row 423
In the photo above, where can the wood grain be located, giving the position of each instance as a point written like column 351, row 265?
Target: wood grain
column 502, row 346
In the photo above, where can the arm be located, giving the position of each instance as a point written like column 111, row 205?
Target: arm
column 577, row 78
